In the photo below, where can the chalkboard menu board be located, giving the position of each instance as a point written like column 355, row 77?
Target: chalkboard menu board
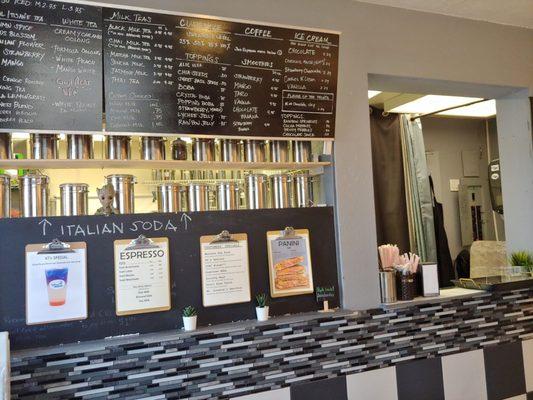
column 51, row 66
column 170, row 73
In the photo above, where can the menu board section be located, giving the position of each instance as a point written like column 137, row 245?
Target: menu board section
column 139, row 71
column 168, row 73
column 51, row 65
column 142, row 276
column 225, row 270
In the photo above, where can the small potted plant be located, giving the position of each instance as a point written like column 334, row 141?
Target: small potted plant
column 522, row 259
column 189, row 318
column 261, row 310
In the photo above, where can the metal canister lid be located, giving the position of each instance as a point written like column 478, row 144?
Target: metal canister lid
column 123, row 177
column 5, row 177
column 81, row 187
column 35, row 179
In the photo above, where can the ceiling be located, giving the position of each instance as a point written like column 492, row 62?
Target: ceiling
column 507, row 12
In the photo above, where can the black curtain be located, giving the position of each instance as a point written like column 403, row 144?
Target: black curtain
column 389, row 185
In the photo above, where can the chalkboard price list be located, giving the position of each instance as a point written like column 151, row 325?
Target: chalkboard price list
column 51, row 66
column 139, row 71
column 180, row 74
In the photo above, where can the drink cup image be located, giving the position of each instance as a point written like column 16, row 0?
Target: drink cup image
column 56, row 283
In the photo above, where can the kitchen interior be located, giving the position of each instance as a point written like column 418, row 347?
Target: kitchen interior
column 441, row 149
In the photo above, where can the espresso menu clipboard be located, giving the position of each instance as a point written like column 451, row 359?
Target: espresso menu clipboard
column 225, row 269
column 289, row 261
column 142, row 275
column 56, row 282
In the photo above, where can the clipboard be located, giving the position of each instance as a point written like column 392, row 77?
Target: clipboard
column 237, row 280
column 52, row 284
column 147, row 275
column 289, row 265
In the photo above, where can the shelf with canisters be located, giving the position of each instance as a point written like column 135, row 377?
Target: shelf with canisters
column 159, row 164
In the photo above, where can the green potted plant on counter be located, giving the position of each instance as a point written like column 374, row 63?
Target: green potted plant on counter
column 522, row 259
column 261, row 309
column 189, row 318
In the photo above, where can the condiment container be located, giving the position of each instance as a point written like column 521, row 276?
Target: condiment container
column 387, row 286
column 179, row 149
column 117, row 147
column 198, row 197
column 256, row 191
column 170, row 197
column 34, row 195
column 80, row 147
column 6, row 147
column 74, row 199
column 124, row 200
column 153, row 148
column 279, row 151
column 302, row 190
column 280, row 191
column 5, row 196
column 405, row 286
column 254, row 151
column 44, row 146
column 301, row 151
column 228, row 196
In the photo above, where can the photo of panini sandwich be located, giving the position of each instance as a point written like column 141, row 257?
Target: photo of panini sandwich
column 290, row 274
column 288, row 262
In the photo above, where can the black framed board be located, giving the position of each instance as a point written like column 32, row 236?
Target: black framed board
column 162, row 73
column 183, row 232
column 171, row 73
column 51, row 66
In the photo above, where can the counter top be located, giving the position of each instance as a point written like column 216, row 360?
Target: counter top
column 445, row 295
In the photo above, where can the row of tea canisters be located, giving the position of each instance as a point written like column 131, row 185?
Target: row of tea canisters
column 260, row 191
column 118, row 147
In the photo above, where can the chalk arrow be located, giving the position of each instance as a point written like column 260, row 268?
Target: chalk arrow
column 185, row 219
column 44, row 223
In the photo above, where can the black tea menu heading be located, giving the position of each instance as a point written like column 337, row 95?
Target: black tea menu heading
column 51, row 65
column 167, row 73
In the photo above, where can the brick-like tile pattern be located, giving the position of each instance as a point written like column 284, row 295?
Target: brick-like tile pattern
column 233, row 362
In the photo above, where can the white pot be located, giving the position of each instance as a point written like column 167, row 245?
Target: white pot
column 262, row 313
column 189, row 323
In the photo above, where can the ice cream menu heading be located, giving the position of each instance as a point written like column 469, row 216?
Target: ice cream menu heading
column 166, row 73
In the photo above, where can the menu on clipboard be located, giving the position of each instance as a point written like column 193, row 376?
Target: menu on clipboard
column 289, row 257
column 56, row 282
column 225, row 269
column 142, row 275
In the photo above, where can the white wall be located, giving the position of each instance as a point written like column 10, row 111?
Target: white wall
column 516, row 155
column 379, row 40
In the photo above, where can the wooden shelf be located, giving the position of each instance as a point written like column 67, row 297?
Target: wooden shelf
column 167, row 164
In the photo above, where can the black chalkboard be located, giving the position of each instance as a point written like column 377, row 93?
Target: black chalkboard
column 183, row 231
column 51, row 66
column 170, row 73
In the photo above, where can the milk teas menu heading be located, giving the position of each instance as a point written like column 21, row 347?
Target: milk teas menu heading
column 167, row 73
column 51, row 66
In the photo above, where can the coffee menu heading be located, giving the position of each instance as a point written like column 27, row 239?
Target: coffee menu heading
column 167, row 73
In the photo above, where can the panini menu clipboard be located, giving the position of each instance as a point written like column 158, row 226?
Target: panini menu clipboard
column 289, row 260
